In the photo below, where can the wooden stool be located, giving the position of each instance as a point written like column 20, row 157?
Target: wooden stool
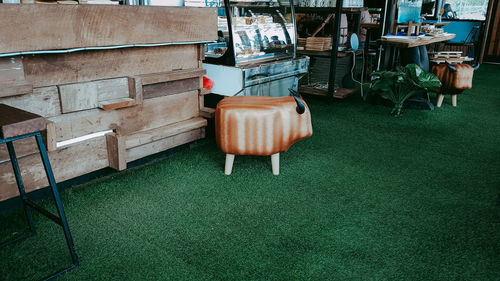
column 258, row 125
column 16, row 124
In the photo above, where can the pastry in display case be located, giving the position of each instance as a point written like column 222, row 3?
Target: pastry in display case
column 256, row 44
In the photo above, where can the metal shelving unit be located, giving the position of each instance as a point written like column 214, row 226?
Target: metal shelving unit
column 334, row 53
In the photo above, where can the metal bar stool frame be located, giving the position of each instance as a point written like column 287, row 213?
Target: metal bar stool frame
column 28, row 204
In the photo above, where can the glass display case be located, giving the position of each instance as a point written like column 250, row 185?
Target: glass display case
column 253, row 31
column 257, row 43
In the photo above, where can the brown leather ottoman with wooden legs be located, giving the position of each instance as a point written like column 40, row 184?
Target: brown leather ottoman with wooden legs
column 257, row 125
column 454, row 79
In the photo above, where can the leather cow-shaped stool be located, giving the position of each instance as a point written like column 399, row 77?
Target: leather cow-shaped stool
column 258, row 125
column 454, row 79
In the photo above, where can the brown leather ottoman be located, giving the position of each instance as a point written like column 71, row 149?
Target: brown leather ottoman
column 255, row 125
column 454, row 79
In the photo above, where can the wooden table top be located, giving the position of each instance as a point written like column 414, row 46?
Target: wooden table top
column 416, row 41
column 369, row 25
column 439, row 23
column 16, row 122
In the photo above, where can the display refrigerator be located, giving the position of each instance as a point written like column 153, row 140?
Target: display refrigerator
column 255, row 53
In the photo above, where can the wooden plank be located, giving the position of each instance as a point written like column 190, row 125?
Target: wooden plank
column 87, row 95
column 76, row 97
column 204, row 91
column 163, row 144
column 201, row 52
column 154, row 78
column 116, row 103
column 67, row 162
column 11, row 69
column 15, row 88
column 135, row 89
column 486, row 32
column 109, row 89
column 144, row 137
column 171, row 88
column 153, row 113
column 22, row 147
column 494, row 49
column 50, row 140
column 409, row 43
column 207, row 112
column 201, row 101
column 117, row 156
column 50, row 27
column 57, row 69
column 44, row 101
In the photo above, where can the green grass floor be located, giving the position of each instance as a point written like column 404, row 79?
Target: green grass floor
column 367, row 197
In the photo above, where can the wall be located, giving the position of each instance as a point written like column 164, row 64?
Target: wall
column 462, row 30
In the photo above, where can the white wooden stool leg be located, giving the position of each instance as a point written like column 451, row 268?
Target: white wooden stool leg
column 275, row 161
column 454, row 100
column 440, row 100
column 229, row 164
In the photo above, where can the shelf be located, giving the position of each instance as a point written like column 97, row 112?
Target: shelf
column 371, row 25
column 340, row 93
column 325, row 10
column 116, row 103
column 326, row 54
column 331, row 55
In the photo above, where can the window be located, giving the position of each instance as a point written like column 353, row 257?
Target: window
column 465, row 9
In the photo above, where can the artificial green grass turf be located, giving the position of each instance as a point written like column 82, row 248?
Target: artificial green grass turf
column 368, row 197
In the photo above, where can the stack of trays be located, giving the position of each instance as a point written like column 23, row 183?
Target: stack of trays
column 318, row 43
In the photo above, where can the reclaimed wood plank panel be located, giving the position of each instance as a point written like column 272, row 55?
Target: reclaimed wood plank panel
column 163, row 144
column 51, row 27
column 144, row 137
column 117, row 155
column 116, row 103
column 57, row 69
column 154, row 78
column 44, row 101
column 87, row 95
column 67, row 162
column 151, row 114
column 171, row 87
column 110, row 89
column 76, row 97
column 207, row 112
column 23, row 147
column 135, row 89
column 50, row 136
column 15, row 88
column 11, row 69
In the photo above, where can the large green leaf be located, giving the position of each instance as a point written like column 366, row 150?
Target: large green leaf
column 428, row 81
column 413, row 71
column 400, row 84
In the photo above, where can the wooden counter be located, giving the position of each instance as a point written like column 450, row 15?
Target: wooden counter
column 148, row 96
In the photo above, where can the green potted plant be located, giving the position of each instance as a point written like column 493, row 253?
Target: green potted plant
column 400, row 84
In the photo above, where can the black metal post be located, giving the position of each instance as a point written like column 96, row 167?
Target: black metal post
column 55, row 193
column 335, row 45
